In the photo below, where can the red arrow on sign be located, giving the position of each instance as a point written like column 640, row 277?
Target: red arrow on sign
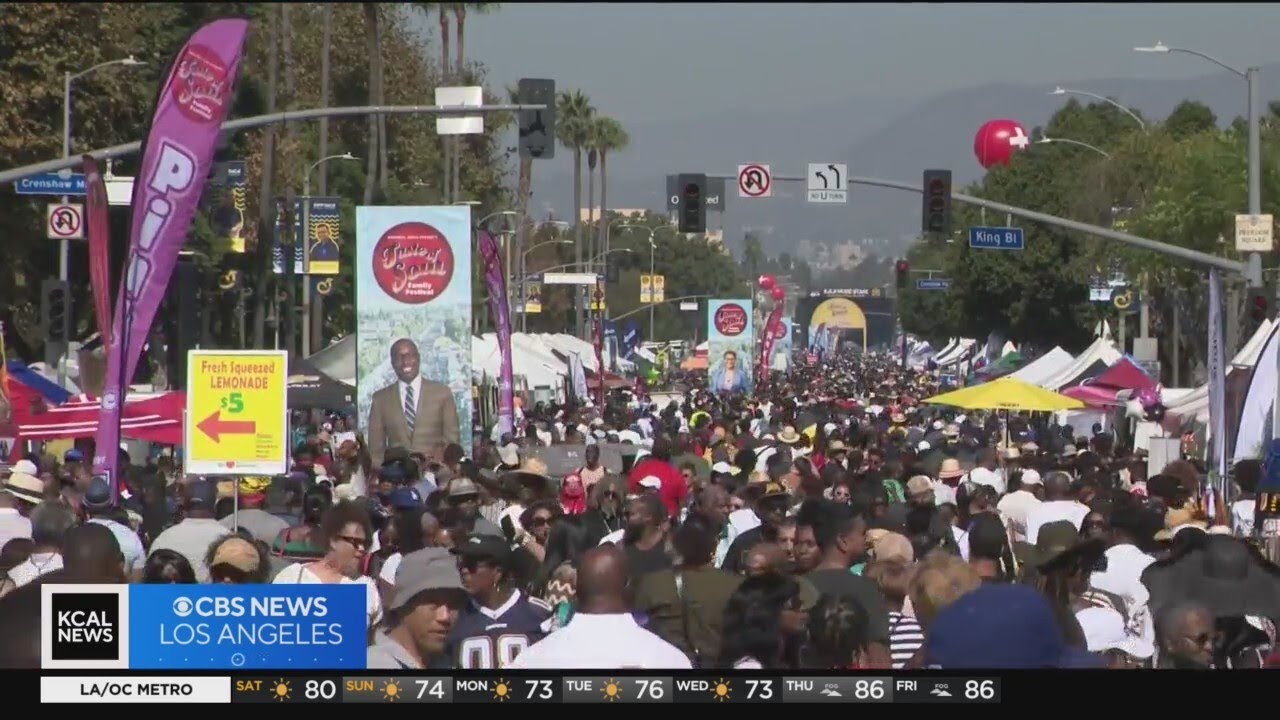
column 214, row 426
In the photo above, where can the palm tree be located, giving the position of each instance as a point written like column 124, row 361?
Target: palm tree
column 609, row 136
column 573, row 125
column 460, row 20
column 266, row 208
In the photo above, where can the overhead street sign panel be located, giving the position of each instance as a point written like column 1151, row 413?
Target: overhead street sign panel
column 537, row 127
column 996, row 238
column 933, row 284
column 237, row 407
column 1255, row 233
column 755, row 181
column 51, row 183
column 64, row 221
column 828, row 183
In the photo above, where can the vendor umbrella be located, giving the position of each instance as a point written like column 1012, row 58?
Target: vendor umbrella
column 1005, row 394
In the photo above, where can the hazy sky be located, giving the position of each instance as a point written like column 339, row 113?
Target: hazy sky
column 641, row 61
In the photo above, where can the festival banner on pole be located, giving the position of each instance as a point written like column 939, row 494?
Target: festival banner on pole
column 277, row 239
column 413, row 283
column 495, row 277
column 729, row 345
column 98, row 226
column 176, row 159
column 781, row 359
column 323, row 231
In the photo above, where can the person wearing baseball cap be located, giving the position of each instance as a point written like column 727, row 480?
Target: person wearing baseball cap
column 428, row 597
column 100, row 509
column 464, row 495
column 500, row 621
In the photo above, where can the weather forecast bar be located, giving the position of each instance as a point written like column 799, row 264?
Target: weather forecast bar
column 518, row 688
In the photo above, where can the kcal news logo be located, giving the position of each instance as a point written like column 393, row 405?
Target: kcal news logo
column 84, row 626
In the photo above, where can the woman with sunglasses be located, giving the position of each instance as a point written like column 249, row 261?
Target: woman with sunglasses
column 604, row 516
column 764, row 624
column 531, row 548
column 345, row 531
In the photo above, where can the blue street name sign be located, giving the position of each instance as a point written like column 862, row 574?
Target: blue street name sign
column 50, row 184
column 996, row 238
column 933, row 284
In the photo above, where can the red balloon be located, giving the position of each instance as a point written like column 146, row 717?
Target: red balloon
column 997, row 141
column 767, row 282
column 778, row 293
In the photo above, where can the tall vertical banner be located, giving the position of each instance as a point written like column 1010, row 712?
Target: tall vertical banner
column 495, row 279
column 781, row 356
column 1217, row 381
column 323, row 232
column 729, row 345
column 599, row 346
column 97, row 223
column 413, row 272
column 176, row 158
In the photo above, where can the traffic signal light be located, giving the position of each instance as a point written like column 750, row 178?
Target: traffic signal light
column 902, row 269
column 937, row 202
column 1259, row 306
column 537, row 127
column 55, row 310
column 693, row 215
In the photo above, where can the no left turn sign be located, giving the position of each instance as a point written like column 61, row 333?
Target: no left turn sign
column 754, row 181
column 65, row 221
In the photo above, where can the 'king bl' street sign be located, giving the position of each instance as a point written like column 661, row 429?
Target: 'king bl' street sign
column 996, row 238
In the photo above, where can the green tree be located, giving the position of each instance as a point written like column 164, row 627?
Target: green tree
column 753, row 257
column 574, row 115
column 1190, row 118
column 609, row 137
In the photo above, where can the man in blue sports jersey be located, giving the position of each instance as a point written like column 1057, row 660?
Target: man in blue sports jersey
column 499, row 621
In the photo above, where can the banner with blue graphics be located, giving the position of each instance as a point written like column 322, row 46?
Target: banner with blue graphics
column 251, row 627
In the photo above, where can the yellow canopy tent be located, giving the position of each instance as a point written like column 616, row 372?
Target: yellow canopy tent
column 1006, row 394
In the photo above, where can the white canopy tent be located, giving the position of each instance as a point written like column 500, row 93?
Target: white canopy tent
column 1101, row 351
column 1195, row 402
column 956, row 354
column 1043, row 367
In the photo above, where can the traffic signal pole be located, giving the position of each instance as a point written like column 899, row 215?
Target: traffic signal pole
column 1194, row 256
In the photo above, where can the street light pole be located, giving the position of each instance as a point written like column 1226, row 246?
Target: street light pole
column 1095, row 148
column 1253, row 269
column 306, row 254
column 64, row 245
column 1102, row 98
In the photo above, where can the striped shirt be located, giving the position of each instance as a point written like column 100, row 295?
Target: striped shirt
column 905, row 638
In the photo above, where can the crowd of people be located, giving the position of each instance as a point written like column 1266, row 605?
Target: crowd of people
column 830, row 521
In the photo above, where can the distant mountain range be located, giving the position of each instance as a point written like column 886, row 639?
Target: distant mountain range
column 885, row 137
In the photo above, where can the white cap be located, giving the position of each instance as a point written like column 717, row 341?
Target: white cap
column 1104, row 630
column 983, row 476
column 923, row 445
column 651, row 481
column 25, row 466
column 937, row 424
column 1031, row 477
column 722, row 467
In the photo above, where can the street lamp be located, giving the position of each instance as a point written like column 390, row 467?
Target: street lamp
column 1059, row 90
column 523, row 270
column 307, row 320
column 652, row 248
column 64, row 246
column 1095, row 148
column 1253, row 273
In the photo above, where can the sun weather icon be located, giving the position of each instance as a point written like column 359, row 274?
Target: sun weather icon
column 502, row 691
column 391, row 691
column 612, row 691
column 282, row 689
column 722, row 690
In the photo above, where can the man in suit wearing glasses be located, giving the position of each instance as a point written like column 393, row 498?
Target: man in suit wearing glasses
column 413, row 412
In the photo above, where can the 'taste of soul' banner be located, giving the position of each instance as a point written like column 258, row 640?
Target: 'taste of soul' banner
column 729, row 345
column 413, row 326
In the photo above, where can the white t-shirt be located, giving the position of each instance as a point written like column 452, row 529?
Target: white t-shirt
column 1242, row 517
column 578, row 645
column 300, row 574
column 1053, row 511
column 130, row 544
column 389, row 567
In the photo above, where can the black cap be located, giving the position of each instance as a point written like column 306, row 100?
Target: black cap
column 488, row 547
column 98, row 495
column 201, row 493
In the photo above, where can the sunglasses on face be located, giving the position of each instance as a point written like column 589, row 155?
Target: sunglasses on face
column 358, row 543
column 540, row 521
column 471, row 564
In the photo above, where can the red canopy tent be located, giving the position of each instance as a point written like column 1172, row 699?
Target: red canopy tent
column 154, row 418
column 1102, row 390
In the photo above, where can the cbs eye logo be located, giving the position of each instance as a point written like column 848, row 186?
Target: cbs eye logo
column 182, row 607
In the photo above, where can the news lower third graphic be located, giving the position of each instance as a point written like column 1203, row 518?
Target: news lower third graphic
column 205, row 627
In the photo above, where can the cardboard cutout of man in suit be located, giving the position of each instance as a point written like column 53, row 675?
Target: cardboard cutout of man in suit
column 413, row 412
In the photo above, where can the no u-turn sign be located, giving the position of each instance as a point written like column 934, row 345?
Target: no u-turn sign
column 64, row 221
